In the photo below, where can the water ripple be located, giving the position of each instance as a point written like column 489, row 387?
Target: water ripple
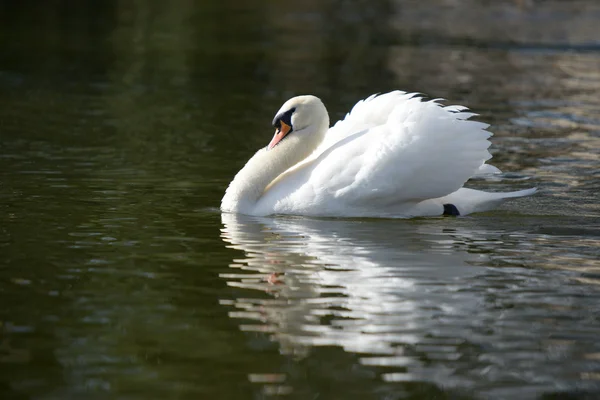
column 458, row 317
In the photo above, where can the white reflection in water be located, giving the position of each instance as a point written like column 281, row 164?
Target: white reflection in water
column 415, row 298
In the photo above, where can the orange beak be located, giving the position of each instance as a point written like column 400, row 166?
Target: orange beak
column 280, row 134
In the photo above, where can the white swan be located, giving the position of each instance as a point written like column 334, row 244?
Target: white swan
column 393, row 155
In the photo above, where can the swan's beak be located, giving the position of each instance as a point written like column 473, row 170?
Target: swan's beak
column 280, row 134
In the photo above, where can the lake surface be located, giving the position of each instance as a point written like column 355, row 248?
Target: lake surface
column 122, row 122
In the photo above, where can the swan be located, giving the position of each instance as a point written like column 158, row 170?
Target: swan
column 393, row 155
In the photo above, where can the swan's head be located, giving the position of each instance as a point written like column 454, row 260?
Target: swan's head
column 304, row 118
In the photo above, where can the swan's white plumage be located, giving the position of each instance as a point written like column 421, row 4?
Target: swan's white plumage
column 392, row 155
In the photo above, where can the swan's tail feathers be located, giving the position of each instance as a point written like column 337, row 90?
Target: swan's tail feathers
column 469, row 201
column 486, row 171
column 519, row 193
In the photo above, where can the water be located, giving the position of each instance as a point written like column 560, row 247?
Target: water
column 121, row 124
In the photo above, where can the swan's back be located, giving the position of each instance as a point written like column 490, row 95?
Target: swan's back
column 368, row 113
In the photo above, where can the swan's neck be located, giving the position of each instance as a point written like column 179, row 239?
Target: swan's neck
column 249, row 184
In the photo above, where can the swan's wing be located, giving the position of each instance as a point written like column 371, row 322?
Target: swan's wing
column 390, row 150
column 368, row 113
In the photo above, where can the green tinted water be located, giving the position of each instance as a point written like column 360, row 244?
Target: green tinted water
column 122, row 123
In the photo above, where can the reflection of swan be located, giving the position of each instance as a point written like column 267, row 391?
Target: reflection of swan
column 406, row 301
column 368, row 280
column 392, row 156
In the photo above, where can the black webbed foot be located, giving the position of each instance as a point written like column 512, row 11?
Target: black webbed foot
column 450, row 209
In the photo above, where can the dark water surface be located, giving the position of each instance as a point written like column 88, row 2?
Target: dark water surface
column 122, row 122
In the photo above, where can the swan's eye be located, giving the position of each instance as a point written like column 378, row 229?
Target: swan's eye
column 286, row 117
